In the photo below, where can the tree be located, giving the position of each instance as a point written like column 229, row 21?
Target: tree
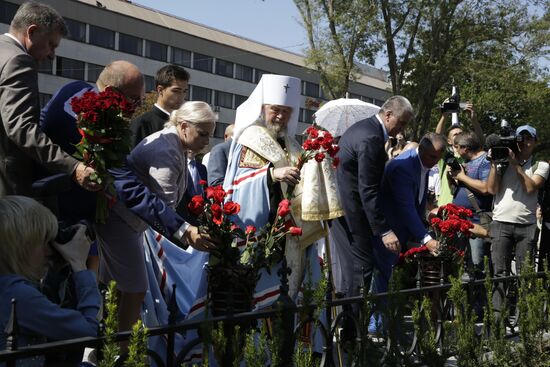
column 429, row 42
column 340, row 33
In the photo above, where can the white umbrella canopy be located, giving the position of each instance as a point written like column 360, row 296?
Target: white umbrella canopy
column 339, row 114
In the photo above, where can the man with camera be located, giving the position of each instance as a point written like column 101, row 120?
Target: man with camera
column 515, row 189
column 471, row 183
column 445, row 195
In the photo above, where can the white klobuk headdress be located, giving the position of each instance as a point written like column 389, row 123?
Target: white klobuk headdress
column 272, row 89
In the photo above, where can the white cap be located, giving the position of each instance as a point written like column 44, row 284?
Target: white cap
column 272, row 89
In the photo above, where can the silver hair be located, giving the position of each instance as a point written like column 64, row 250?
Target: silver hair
column 39, row 14
column 25, row 225
column 194, row 113
column 398, row 105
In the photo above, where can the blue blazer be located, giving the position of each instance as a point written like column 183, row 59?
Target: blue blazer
column 399, row 197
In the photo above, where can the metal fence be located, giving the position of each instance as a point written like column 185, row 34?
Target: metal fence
column 337, row 314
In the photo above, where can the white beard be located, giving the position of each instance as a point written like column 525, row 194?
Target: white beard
column 275, row 130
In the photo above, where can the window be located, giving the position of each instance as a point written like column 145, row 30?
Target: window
column 93, row 72
column 224, row 99
column 308, row 116
column 77, row 30
column 7, row 11
column 258, row 75
column 239, row 100
column 46, row 67
column 102, row 37
column 130, row 44
column 354, row 96
column 156, row 51
column 202, row 62
column 378, row 102
column 149, row 83
column 224, row 68
column 69, row 68
column 310, row 89
column 181, row 57
column 202, row 94
column 243, row 73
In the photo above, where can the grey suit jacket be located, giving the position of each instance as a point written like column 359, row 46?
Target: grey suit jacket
column 217, row 163
column 21, row 140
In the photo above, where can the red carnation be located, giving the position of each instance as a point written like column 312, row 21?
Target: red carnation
column 217, row 216
column 231, row 208
column 217, row 193
column 284, row 208
column 319, row 157
column 203, row 183
column 313, row 132
column 295, row 231
column 250, row 230
column 196, row 205
column 335, row 162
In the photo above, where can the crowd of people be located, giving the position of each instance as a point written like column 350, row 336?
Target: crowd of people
column 385, row 185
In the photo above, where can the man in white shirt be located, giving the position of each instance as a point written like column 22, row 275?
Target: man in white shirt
column 515, row 203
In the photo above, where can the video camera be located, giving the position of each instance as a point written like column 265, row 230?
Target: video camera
column 501, row 142
column 452, row 105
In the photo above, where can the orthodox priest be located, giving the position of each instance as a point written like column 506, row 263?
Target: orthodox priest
column 261, row 168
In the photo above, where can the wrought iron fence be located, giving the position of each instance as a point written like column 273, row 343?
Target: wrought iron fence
column 341, row 327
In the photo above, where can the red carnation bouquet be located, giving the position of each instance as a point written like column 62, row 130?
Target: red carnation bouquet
column 214, row 216
column 319, row 146
column 102, row 120
column 262, row 248
column 451, row 227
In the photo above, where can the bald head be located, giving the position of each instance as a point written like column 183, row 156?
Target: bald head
column 228, row 132
column 431, row 149
column 125, row 77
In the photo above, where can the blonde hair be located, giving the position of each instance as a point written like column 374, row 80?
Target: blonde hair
column 194, row 113
column 25, row 225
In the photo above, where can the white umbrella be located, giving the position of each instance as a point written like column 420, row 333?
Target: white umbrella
column 338, row 115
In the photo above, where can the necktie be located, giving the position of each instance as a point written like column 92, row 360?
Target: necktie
column 195, row 177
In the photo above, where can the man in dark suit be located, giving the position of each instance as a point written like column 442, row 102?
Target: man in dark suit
column 35, row 32
column 171, row 86
column 217, row 160
column 362, row 159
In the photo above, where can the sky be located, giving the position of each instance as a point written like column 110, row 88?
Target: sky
column 273, row 22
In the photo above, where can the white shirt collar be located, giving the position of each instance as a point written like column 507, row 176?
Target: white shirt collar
column 386, row 136
column 16, row 40
column 162, row 109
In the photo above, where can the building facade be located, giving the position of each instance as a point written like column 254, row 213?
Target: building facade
column 224, row 68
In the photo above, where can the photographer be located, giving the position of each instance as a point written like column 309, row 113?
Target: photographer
column 445, row 196
column 544, row 211
column 27, row 230
column 514, row 221
column 472, row 192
